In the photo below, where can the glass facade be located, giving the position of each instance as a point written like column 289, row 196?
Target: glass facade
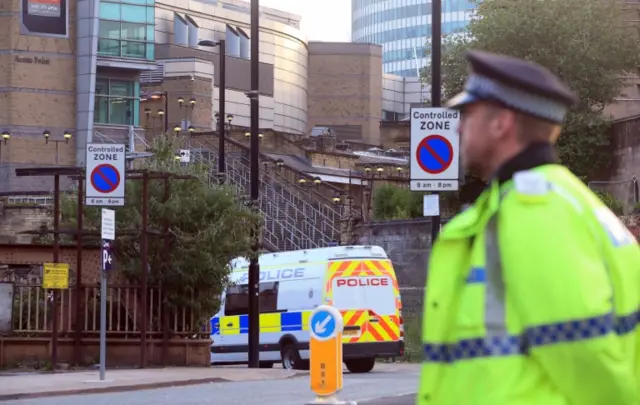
column 403, row 27
column 117, row 102
column 127, row 29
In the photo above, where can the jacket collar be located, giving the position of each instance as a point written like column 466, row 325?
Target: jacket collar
column 536, row 154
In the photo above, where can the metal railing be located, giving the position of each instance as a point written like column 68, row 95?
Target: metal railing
column 32, row 312
column 292, row 219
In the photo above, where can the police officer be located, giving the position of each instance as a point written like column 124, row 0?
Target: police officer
column 533, row 292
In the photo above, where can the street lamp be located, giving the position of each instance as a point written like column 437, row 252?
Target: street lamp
column 66, row 135
column 157, row 95
column 222, row 99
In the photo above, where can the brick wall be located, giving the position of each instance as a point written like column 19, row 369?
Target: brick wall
column 345, row 87
column 337, row 160
column 16, row 219
column 408, row 244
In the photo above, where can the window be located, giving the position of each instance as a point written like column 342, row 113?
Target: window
column 127, row 30
column 117, row 102
column 237, row 299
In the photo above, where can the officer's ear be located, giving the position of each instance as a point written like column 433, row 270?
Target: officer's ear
column 502, row 122
column 533, row 129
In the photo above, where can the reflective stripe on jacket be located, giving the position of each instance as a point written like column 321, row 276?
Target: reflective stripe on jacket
column 532, row 299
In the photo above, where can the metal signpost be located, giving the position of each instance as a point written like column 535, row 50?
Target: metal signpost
column 108, row 231
column 325, row 330
column 105, row 171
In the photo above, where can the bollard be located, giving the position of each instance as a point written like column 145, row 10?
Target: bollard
column 325, row 345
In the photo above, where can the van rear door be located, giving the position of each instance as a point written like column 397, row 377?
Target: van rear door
column 366, row 293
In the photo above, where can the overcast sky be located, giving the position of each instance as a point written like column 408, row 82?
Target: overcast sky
column 322, row 20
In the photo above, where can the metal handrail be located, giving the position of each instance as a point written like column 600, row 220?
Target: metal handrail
column 284, row 210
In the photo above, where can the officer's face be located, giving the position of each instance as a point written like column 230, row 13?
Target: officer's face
column 486, row 130
column 475, row 140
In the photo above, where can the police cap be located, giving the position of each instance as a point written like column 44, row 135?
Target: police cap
column 516, row 83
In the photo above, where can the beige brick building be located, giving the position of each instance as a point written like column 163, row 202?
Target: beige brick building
column 89, row 70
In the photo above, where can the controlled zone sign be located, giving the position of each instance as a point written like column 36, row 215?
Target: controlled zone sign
column 435, row 146
column 105, row 172
column 325, row 346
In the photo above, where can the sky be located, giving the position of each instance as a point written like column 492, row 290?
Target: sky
column 322, row 20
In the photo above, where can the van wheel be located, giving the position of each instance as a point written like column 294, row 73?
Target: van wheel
column 290, row 357
column 360, row 365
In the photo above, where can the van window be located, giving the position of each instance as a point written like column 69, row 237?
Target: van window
column 237, row 299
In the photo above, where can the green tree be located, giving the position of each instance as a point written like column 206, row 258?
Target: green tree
column 208, row 227
column 585, row 42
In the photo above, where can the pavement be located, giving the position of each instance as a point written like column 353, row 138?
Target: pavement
column 387, row 384
column 34, row 385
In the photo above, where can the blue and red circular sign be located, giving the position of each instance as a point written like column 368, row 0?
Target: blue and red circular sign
column 105, row 178
column 434, row 154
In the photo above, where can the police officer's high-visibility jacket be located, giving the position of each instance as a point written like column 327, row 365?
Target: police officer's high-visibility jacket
column 532, row 299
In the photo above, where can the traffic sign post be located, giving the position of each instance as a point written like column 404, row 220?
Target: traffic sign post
column 325, row 332
column 108, row 232
column 435, row 145
column 105, row 172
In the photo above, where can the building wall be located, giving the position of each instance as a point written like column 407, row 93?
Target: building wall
column 403, row 27
column 37, row 93
column 345, row 87
column 399, row 94
column 282, row 45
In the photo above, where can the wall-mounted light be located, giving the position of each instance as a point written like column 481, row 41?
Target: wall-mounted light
column 191, row 129
column 260, row 135
column 317, row 180
column 399, row 169
column 47, row 134
column 367, row 169
column 380, row 169
column 180, row 101
column 192, row 102
column 247, row 134
column 5, row 136
column 177, row 157
column 336, row 199
column 66, row 135
column 160, row 112
column 177, row 128
column 147, row 111
column 279, row 162
column 302, row 181
column 229, row 118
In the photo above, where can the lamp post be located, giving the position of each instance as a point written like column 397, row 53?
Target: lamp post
column 191, row 104
column 221, row 100
column 254, row 266
column 5, row 137
column 47, row 138
column 436, row 77
column 162, row 113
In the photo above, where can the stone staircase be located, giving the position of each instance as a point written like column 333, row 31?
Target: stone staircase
column 294, row 217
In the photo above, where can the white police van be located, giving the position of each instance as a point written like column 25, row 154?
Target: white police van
column 358, row 280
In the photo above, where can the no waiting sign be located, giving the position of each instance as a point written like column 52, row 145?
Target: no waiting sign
column 105, row 173
column 435, row 146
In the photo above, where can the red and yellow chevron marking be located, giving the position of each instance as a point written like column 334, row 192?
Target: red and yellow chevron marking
column 386, row 329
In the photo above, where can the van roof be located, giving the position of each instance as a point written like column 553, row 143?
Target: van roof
column 313, row 255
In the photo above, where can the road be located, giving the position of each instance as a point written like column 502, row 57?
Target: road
column 395, row 383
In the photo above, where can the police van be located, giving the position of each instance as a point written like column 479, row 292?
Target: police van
column 358, row 280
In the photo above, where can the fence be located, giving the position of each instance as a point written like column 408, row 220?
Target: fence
column 33, row 317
